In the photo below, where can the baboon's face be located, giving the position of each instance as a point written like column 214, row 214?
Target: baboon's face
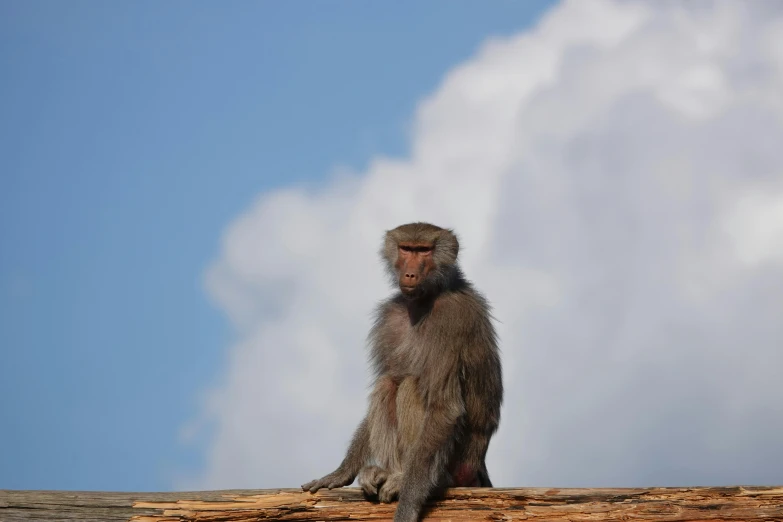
column 414, row 264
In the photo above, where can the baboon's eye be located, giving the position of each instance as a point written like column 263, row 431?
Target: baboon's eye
column 422, row 249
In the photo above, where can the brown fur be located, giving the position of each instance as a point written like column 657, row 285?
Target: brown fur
column 437, row 395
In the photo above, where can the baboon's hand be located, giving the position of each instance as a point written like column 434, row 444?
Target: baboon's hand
column 335, row 479
column 371, row 478
column 390, row 489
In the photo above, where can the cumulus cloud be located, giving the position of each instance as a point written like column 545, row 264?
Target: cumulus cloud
column 616, row 178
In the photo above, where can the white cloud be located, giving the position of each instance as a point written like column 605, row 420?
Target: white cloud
column 616, row 177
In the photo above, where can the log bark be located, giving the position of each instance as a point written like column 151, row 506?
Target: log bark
column 537, row 504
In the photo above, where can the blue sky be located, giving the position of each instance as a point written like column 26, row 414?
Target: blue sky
column 131, row 134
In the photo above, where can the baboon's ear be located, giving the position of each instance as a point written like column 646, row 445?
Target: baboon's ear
column 389, row 251
column 446, row 248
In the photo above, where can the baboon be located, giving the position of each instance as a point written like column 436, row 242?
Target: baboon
column 438, row 389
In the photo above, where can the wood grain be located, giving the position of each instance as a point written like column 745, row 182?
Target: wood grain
column 538, row 504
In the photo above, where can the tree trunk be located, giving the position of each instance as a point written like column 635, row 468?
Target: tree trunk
column 552, row 504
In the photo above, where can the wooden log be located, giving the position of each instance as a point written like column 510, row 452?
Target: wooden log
column 538, row 504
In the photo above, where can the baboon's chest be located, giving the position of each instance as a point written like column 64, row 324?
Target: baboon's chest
column 410, row 355
column 409, row 344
